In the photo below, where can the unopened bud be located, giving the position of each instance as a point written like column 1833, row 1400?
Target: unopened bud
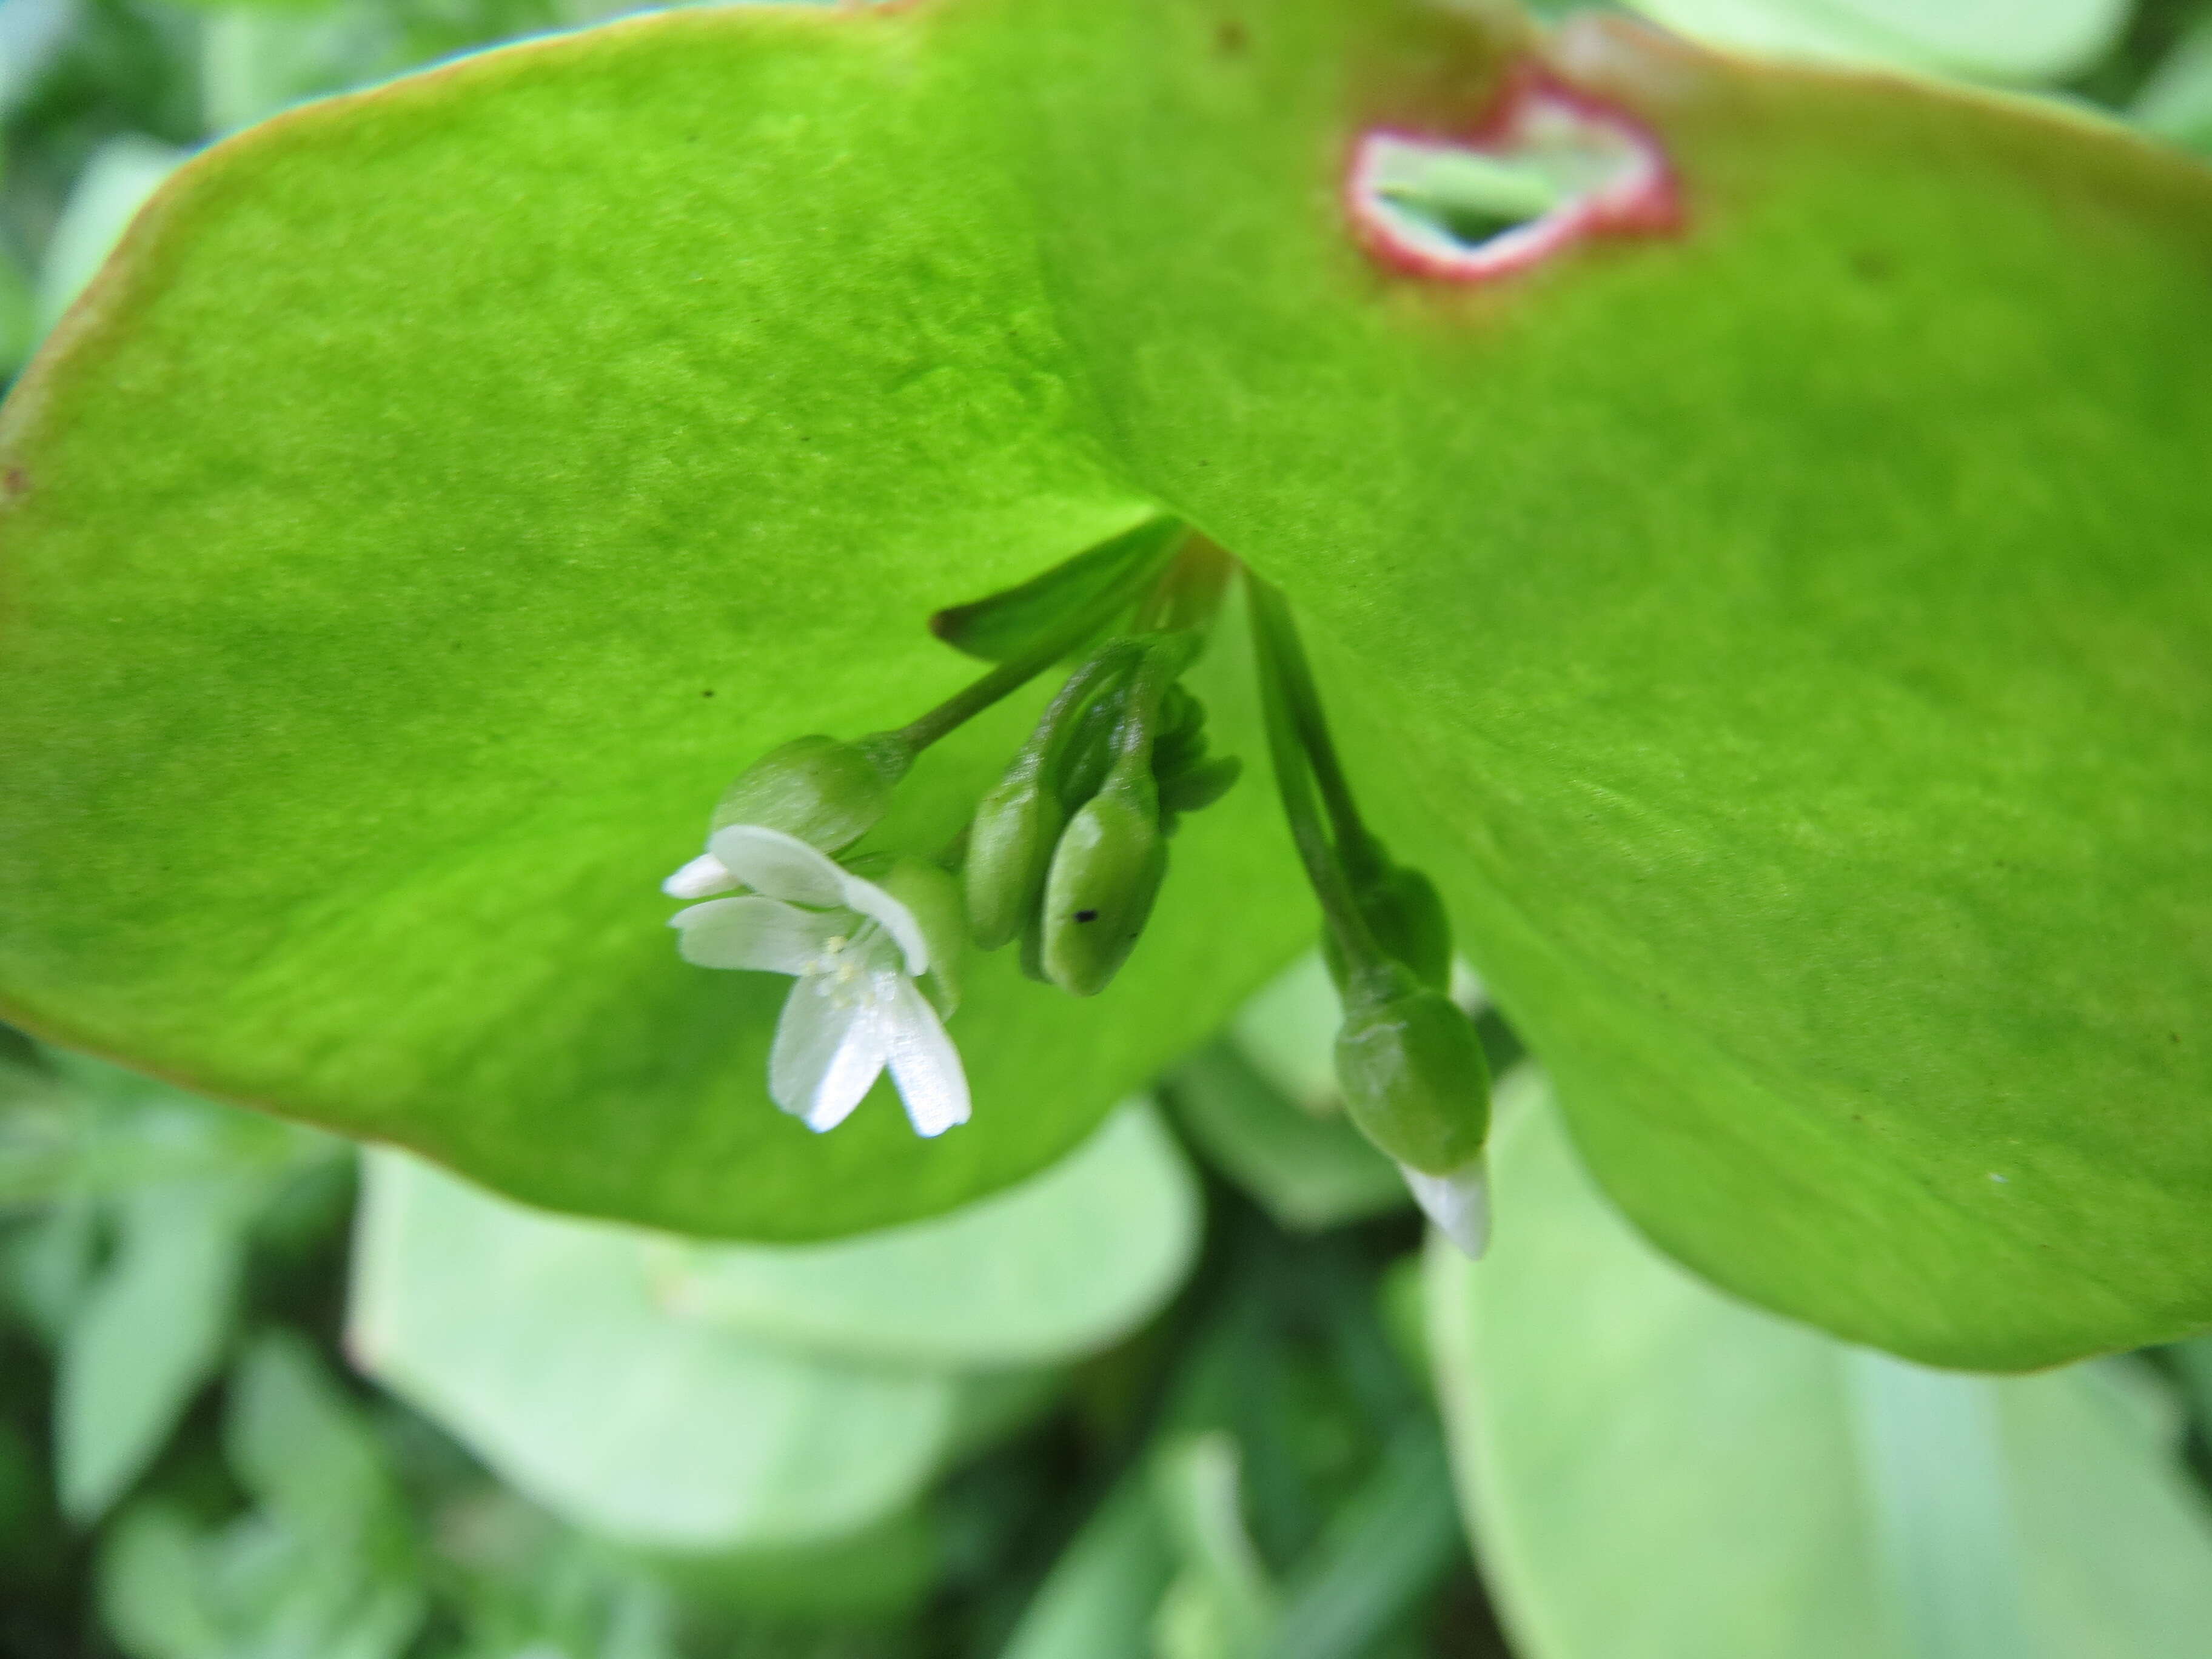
column 932, row 896
column 1402, row 909
column 1010, row 847
column 827, row 792
column 1105, row 874
column 1413, row 1071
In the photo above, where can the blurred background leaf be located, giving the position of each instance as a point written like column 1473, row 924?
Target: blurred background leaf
column 1652, row 1469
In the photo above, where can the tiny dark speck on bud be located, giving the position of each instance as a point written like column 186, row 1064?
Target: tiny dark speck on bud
column 706, row 693
column 1230, row 40
column 1086, row 916
column 16, row 480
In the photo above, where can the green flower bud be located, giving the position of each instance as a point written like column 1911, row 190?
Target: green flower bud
column 1105, row 873
column 1089, row 751
column 931, row 895
column 1010, row 847
column 1402, row 910
column 1413, row 1071
column 827, row 792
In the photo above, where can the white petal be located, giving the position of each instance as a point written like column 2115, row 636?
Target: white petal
column 1458, row 1202
column 829, row 1052
column 754, row 932
column 899, row 921
column 924, row 1063
column 782, row 867
column 703, row 875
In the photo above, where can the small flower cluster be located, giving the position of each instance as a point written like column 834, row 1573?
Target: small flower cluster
column 1066, row 854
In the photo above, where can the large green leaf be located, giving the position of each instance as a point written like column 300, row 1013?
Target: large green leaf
column 530, row 539
column 1654, row 1469
column 1785, row 638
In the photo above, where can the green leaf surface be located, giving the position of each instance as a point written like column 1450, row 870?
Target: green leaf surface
column 1652, row 1468
column 551, row 1357
column 515, row 684
column 1061, row 1265
column 148, row 1335
column 1785, row 638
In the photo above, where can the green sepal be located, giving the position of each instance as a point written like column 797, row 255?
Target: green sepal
column 1005, row 625
column 1010, row 846
column 1412, row 1070
column 827, row 792
column 1405, row 914
column 1105, row 873
column 1181, row 741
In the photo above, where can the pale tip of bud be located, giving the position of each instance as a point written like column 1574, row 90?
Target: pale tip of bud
column 1458, row 1201
column 704, row 876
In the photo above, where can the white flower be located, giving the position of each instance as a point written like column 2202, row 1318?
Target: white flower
column 1458, row 1201
column 856, row 952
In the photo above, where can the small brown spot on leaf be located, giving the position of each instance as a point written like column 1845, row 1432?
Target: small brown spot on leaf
column 15, row 481
column 1230, row 40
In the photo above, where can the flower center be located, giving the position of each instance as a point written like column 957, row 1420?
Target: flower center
column 844, row 971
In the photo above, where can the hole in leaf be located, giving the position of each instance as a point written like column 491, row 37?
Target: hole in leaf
column 1547, row 165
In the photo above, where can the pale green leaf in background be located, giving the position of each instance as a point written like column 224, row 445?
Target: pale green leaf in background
column 1654, row 1471
column 1060, row 1265
column 539, row 1341
column 2176, row 102
column 1101, row 1597
column 31, row 33
column 1309, row 1170
column 1287, row 1033
column 148, row 1335
column 1221, row 1604
column 324, row 1566
column 2023, row 41
column 154, row 1593
column 114, row 184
